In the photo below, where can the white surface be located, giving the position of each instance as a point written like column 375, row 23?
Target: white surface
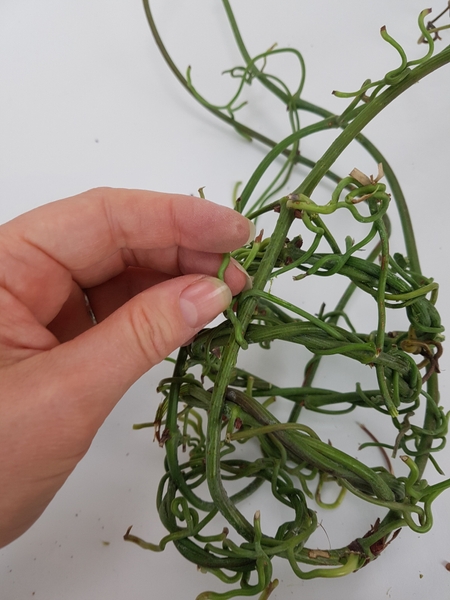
column 86, row 100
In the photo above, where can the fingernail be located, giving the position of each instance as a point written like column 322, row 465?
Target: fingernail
column 252, row 232
column 203, row 300
column 248, row 280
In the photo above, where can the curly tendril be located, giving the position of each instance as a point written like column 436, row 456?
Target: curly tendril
column 213, row 409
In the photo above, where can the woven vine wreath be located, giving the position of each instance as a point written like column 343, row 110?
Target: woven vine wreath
column 206, row 421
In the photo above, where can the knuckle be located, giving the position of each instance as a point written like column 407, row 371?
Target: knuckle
column 152, row 333
column 174, row 220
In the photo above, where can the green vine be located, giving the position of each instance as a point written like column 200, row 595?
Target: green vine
column 201, row 425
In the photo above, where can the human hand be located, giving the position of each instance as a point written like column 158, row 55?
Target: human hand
column 147, row 263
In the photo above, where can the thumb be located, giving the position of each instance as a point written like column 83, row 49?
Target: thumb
column 58, row 399
column 96, row 368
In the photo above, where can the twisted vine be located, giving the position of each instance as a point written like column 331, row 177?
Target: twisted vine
column 200, row 424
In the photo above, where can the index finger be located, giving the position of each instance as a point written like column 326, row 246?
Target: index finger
column 89, row 227
column 85, row 237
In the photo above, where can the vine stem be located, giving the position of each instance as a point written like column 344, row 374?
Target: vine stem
column 213, row 445
column 405, row 219
column 244, row 130
column 351, row 130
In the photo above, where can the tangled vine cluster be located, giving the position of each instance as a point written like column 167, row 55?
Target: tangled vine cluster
column 203, row 419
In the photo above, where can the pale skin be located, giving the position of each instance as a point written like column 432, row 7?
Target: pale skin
column 148, row 263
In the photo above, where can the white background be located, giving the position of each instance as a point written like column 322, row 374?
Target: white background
column 86, row 100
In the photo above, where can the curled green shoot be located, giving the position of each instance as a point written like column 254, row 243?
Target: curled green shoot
column 204, row 419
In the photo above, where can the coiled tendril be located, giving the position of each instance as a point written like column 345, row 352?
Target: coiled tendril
column 205, row 419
